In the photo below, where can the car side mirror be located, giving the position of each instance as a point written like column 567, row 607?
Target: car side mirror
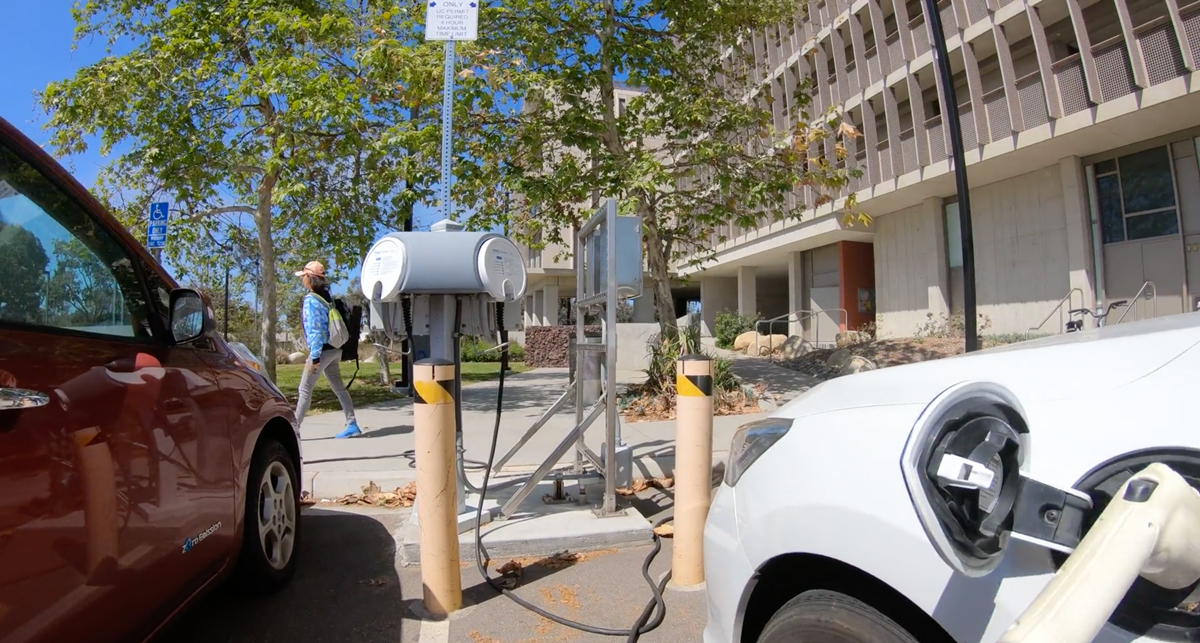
column 191, row 318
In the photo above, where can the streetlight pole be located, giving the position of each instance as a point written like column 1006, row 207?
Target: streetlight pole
column 950, row 113
column 227, row 300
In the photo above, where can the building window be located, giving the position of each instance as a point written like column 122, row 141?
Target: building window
column 1136, row 196
column 954, row 253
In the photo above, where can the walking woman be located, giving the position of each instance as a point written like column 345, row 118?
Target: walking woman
column 322, row 357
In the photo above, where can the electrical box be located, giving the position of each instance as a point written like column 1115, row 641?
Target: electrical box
column 443, row 263
column 628, row 258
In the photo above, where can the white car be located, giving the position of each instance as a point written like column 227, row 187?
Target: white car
column 933, row 502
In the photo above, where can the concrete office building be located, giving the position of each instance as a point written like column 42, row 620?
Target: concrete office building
column 1080, row 119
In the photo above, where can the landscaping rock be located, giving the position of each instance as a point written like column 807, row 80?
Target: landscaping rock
column 839, row 359
column 768, row 344
column 297, row 358
column 795, row 347
column 857, row 364
column 745, row 341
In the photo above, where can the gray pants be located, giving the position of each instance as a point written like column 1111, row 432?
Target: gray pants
column 328, row 365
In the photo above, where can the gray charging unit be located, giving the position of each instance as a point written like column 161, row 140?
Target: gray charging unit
column 453, row 281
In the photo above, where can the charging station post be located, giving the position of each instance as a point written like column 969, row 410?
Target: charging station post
column 693, row 467
column 433, row 424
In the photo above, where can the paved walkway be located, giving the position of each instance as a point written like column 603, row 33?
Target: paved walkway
column 384, row 453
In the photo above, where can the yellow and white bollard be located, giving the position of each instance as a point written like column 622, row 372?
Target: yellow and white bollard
column 437, row 488
column 693, row 467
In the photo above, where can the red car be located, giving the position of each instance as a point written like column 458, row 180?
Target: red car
column 141, row 459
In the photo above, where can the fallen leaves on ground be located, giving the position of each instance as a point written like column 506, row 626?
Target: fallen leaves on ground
column 371, row 495
column 510, row 574
column 374, row 582
column 665, row 531
column 307, row 499
column 641, row 484
column 657, row 407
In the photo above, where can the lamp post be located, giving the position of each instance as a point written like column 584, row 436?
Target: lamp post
column 950, row 112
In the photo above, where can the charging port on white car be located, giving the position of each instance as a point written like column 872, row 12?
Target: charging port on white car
column 963, row 465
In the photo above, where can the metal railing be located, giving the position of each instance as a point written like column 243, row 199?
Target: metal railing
column 800, row 316
column 1058, row 309
column 1150, row 295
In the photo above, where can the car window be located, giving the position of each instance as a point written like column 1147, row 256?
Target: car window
column 59, row 267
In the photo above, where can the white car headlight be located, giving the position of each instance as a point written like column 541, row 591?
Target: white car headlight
column 751, row 441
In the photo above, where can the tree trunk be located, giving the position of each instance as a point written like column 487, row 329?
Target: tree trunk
column 384, row 360
column 266, row 249
column 657, row 262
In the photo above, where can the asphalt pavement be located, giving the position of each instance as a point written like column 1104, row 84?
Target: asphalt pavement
column 348, row 587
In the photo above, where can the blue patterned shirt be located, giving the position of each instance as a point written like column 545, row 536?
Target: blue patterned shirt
column 316, row 325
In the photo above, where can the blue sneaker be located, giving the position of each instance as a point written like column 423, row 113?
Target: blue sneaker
column 351, row 431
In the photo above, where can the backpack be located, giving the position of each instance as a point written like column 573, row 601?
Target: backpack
column 353, row 316
column 339, row 334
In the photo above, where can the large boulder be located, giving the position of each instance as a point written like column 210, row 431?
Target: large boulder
column 745, row 340
column 768, row 344
column 297, row 358
column 795, row 347
column 857, row 364
column 838, row 359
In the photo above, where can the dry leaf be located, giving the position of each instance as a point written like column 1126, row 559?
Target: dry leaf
column 374, row 582
column 561, row 560
column 665, row 531
column 847, row 130
column 466, row 73
column 372, row 495
column 510, row 574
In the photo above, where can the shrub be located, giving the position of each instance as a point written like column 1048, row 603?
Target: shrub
column 954, row 326
column 664, row 354
column 473, row 350
column 730, row 325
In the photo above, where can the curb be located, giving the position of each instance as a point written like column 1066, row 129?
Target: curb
column 329, row 485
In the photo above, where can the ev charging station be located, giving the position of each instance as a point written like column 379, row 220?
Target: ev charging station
column 457, row 283
column 461, row 283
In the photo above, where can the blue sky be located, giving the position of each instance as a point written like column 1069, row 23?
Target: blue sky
column 36, row 37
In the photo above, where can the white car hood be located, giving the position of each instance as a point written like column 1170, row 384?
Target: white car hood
column 1058, row 367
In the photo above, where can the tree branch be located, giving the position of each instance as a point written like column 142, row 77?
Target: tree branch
column 245, row 209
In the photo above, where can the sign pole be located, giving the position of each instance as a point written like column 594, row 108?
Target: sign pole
column 448, row 131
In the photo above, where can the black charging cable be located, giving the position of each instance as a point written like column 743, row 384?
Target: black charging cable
column 656, row 609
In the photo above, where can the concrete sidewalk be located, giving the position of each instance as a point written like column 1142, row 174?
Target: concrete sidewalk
column 384, row 453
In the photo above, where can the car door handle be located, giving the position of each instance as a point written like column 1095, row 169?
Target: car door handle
column 19, row 398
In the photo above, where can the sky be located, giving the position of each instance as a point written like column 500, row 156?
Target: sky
column 37, row 38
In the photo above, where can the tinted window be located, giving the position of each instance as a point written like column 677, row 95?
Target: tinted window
column 1135, row 195
column 1146, row 181
column 1157, row 224
column 58, row 266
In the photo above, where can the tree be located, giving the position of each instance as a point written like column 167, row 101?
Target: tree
column 234, row 107
column 695, row 150
column 81, row 291
column 23, row 263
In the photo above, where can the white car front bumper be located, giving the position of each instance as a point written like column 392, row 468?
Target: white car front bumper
column 726, row 569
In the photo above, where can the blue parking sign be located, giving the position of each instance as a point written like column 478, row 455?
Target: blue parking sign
column 155, row 242
column 158, row 230
column 158, row 212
